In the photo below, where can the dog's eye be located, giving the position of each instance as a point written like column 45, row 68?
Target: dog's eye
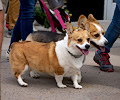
column 80, row 40
column 96, row 35
column 88, row 39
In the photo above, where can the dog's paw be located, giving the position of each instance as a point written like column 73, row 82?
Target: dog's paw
column 34, row 74
column 21, row 82
column 24, row 84
column 62, row 86
column 78, row 86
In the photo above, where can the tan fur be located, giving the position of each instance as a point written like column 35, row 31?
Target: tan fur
column 82, row 21
column 93, row 31
column 52, row 58
column 88, row 24
column 80, row 34
column 40, row 57
column 92, row 19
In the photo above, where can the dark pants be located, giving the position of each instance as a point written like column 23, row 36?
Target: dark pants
column 24, row 24
column 113, row 30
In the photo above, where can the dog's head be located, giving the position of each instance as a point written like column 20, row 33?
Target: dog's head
column 77, row 40
column 95, row 29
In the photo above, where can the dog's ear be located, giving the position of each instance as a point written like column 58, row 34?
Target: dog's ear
column 69, row 28
column 87, row 26
column 91, row 18
column 82, row 20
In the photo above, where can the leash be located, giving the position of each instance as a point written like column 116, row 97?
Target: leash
column 60, row 19
column 48, row 15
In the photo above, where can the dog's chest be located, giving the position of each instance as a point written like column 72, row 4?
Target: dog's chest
column 70, row 72
column 70, row 63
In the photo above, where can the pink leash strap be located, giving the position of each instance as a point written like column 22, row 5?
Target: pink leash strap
column 60, row 19
column 49, row 16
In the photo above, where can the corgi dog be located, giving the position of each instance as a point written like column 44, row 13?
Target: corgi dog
column 45, row 36
column 60, row 59
column 90, row 24
column 96, row 31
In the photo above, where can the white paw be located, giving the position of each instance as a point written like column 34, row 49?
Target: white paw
column 24, row 84
column 34, row 74
column 21, row 82
column 62, row 86
column 78, row 86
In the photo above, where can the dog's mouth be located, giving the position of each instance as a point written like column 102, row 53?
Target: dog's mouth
column 102, row 48
column 84, row 51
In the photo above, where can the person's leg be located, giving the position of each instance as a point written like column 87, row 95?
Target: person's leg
column 14, row 6
column 113, row 30
column 7, row 16
column 1, row 28
column 27, row 17
column 112, row 33
column 24, row 24
column 16, row 36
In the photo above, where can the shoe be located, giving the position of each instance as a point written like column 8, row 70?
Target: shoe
column 9, row 35
column 7, row 55
column 7, row 25
column 103, row 60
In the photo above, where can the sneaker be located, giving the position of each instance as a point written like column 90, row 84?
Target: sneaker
column 9, row 35
column 7, row 25
column 103, row 60
column 7, row 55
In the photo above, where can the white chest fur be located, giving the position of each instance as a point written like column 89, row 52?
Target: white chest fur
column 67, row 61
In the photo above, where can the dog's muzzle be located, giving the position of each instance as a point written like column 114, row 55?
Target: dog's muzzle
column 87, row 46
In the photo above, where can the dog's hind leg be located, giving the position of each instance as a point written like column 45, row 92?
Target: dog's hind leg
column 21, row 82
column 75, row 81
column 59, row 79
column 18, row 74
column 34, row 74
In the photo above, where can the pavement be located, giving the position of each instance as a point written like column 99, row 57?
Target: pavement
column 97, row 85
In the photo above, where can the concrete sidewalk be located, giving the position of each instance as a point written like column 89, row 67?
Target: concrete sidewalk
column 97, row 85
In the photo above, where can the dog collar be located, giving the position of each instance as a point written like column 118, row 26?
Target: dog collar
column 75, row 56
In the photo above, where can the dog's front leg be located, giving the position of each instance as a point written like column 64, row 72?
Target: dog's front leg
column 59, row 79
column 75, row 81
column 79, row 76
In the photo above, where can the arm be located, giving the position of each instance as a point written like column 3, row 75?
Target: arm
column 1, row 28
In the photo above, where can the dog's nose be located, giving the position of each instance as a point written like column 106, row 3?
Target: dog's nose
column 87, row 46
column 106, row 42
